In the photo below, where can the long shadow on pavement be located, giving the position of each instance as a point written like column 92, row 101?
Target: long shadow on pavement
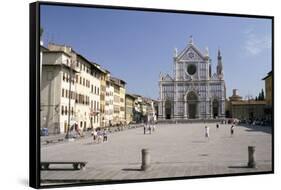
column 237, row 167
column 265, row 129
column 132, row 169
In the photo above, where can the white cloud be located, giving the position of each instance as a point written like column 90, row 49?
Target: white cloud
column 255, row 44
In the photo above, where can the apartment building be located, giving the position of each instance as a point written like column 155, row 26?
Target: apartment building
column 118, row 100
column 109, row 98
column 103, row 79
column 70, row 90
column 55, row 84
column 129, row 107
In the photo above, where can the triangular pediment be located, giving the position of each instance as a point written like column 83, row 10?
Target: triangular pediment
column 191, row 53
column 167, row 78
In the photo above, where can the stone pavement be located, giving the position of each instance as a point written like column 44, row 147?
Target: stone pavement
column 176, row 150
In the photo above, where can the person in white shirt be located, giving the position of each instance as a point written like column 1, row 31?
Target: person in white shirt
column 207, row 131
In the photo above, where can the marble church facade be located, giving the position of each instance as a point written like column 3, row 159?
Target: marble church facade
column 193, row 91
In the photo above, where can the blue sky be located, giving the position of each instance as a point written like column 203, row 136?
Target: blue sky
column 136, row 46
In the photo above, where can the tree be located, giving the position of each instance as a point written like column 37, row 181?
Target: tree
column 259, row 97
column 262, row 94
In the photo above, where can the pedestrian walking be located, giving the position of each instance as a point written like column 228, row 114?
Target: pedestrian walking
column 153, row 127
column 94, row 134
column 144, row 129
column 207, row 131
column 218, row 125
column 104, row 135
column 99, row 134
column 232, row 130
column 149, row 129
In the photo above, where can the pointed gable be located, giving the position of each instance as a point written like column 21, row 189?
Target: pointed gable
column 191, row 53
column 167, row 77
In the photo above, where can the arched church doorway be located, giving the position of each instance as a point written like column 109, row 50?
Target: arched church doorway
column 192, row 101
column 215, row 108
column 168, row 109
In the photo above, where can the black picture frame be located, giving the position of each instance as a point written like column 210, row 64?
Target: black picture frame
column 34, row 92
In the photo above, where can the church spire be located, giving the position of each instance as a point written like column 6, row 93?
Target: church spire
column 219, row 54
column 219, row 66
column 175, row 52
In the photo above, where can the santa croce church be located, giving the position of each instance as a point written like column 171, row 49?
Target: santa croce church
column 193, row 92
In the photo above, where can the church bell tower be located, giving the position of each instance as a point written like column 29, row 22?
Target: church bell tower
column 219, row 66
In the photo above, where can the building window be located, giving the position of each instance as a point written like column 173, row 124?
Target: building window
column 95, row 105
column 65, row 110
column 92, row 88
column 72, row 80
column 95, row 90
column 66, row 77
column 98, row 91
column 66, row 93
column 72, row 111
column 73, row 95
column 83, row 82
column 63, row 76
column 62, row 93
column 62, row 110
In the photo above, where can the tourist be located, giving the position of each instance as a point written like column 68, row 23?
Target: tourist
column 99, row 134
column 94, row 134
column 232, row 129
column 218, row 126
column 207, row 130
column 104, row 135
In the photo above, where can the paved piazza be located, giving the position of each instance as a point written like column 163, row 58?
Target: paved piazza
column 176, row 150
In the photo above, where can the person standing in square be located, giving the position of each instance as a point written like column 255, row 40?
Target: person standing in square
column 207, row 131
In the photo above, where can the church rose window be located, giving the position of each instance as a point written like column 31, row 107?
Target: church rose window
column 191, row 69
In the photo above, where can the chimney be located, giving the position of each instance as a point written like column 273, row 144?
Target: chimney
column 235, row 92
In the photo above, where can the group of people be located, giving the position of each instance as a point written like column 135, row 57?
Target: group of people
column 100, row 135
column 150, row 125
column 207, row 130
column 149, row 128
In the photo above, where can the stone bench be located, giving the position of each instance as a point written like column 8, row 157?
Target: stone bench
column 75, row 165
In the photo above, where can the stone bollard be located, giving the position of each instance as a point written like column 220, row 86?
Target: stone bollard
column 251, row 152
column 145, row 159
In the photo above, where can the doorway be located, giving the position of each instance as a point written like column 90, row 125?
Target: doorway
column 215, row 108
column 168, row 109
column 192, row 103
